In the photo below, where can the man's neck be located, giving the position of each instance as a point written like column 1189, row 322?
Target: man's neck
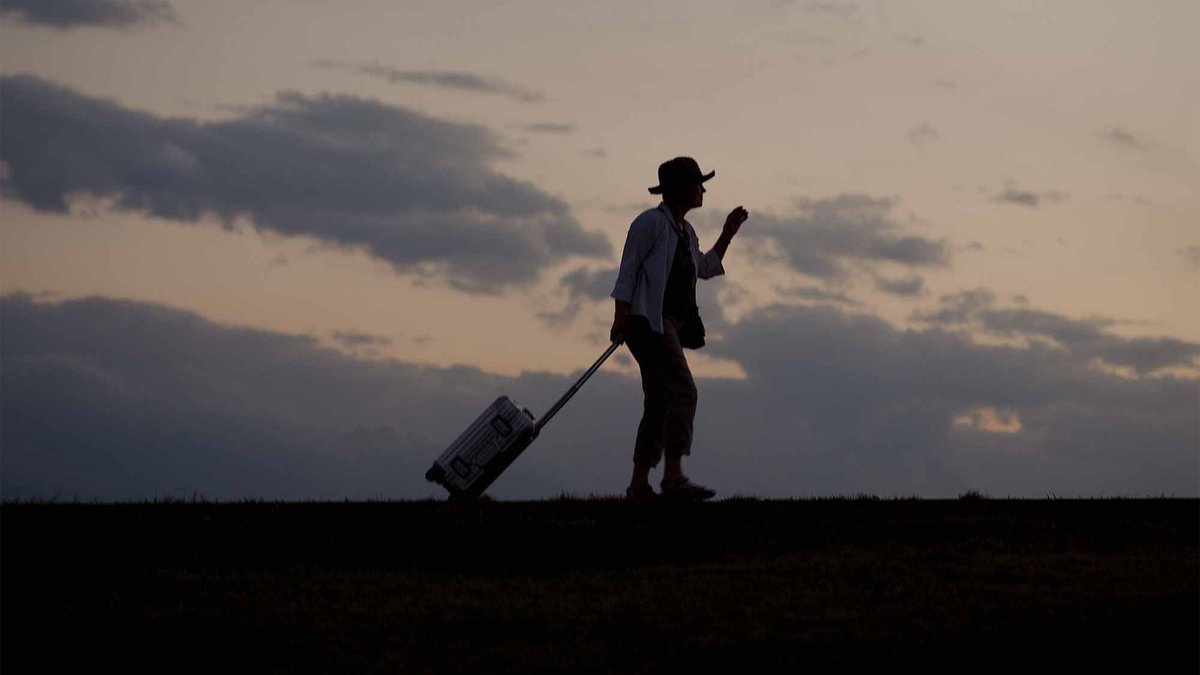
column 678, row 211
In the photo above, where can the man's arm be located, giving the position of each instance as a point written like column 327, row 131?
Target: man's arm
column 617, row 332
column 733, row 223
column 638, row 243
column 722, row 245
column 709, row 265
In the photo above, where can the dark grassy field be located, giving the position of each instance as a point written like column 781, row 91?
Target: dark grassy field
column 600, row 586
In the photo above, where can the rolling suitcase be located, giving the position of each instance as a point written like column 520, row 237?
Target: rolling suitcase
column 494, row 440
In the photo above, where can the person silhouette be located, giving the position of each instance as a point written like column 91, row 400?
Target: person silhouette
column 656, row 316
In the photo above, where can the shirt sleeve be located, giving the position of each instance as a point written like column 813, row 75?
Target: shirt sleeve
column 709, row 265
column 638, row 243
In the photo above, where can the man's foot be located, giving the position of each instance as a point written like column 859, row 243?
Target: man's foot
column 683, row 489
column 641, row 493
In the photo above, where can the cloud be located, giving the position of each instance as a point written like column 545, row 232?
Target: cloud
column 353, row 340
column 1086, row 339
column 115, row 399
column 415, row 191
column 122, row 400
column 958, row 308
column 923, row 134
column 908, row 286
column 590, row 284
column 1119, row 137
column 67, row 14
column 1013, row 195
column 837, row 394
column 582, row 285
column 816, row 294
column 447, row 79
column 987, row 418
column 550, row 128
column 827, row 238
column 146, row 399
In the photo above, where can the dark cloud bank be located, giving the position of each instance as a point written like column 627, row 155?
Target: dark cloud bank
column 65, row 14
column 1085, row 339
column 830, row 238
column 415, row 191
column 121, row 400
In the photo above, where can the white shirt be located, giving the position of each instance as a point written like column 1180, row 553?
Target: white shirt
column 646, row 263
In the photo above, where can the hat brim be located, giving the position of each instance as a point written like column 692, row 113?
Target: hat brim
column 658, row 189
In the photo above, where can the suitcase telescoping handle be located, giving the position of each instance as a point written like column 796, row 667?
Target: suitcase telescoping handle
column 537, row 427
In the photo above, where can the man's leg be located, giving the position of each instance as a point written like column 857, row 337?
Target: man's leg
column 641, row 475
column 673, row 467
column 681, row 398
column 649, row 351
column 681, row 414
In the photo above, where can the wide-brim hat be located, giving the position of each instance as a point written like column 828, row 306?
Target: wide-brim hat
column 681, row 172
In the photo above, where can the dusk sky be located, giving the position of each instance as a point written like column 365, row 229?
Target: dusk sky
column 291, row 249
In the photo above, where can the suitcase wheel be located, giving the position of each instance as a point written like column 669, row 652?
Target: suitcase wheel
column 435, row 474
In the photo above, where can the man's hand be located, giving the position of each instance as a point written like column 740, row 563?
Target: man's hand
column 733, row 222
column 617, row 333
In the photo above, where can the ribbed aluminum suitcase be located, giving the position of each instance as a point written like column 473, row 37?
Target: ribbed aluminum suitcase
column 484, row 450
column 493, row 441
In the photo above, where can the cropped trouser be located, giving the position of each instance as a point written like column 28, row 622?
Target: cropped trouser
column 670, row 391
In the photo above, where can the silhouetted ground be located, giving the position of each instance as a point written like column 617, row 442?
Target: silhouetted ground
column 601, row 586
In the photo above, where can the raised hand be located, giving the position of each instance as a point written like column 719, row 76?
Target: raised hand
column 733, row 222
